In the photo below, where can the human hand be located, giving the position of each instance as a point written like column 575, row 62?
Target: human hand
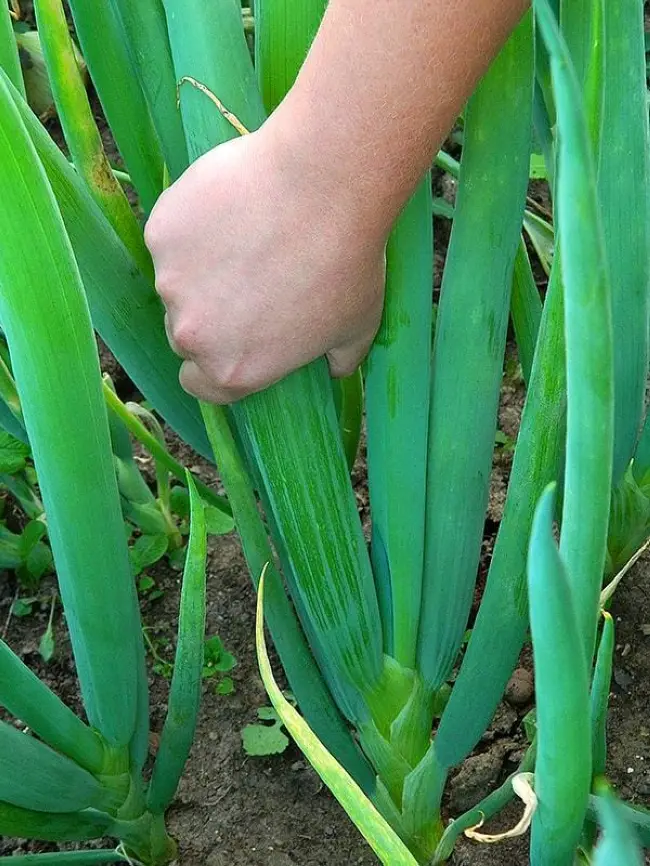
column 263, row 265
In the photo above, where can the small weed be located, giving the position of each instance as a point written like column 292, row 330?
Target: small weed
column 267, row 737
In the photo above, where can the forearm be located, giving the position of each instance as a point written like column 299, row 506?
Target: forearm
column 380, row 89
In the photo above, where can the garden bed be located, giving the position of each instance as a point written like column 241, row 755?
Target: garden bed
column 236, row 810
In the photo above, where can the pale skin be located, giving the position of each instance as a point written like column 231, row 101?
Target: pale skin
column 269, row 251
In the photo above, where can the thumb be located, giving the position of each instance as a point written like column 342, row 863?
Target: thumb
column 344, row 360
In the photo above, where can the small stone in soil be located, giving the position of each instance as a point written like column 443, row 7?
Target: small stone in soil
column 519, row 690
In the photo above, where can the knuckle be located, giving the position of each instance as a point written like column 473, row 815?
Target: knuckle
column 153, row 231
column 342, row 365
column 235, row 378
column 223, row 382
column 165, row 285
column 231, row 375
column 345, row 369
column 184, row 336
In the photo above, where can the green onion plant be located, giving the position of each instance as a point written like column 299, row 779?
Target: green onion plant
column 65, row 778
column 370, row 640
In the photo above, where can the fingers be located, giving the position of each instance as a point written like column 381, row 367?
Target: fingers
column 195, row 382
column 170, row 337
column 344, row 360
column 234, row 384
column 208, row 387
column 205, row 387
column 155, row 228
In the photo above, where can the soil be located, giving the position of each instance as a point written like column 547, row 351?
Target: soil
column 233, row 810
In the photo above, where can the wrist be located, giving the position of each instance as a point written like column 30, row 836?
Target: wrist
column 326, row 165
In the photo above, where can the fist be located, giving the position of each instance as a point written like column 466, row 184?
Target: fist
column 263, row 265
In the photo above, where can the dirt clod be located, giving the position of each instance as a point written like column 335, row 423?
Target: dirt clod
column 478, row 774
column 520, row 688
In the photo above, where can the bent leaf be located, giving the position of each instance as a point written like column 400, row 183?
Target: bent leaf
column 375, row 830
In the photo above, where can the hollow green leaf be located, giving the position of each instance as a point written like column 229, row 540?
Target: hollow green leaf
column 624, row 193
column 397, row 417
column 525, row 310
column 319, row 527
column 422, row 795
column 329, row 571
column 104, row 46
column 600, row 690
column 67, row 858
column 325, row 587
column 53, row 827
column 502, row 621
column 185, row 691
column 125, row 309
column 281, row 42
column 543, row 109
column 348, row 397
column 469, row 349
column 145, row 28
column 303, row 674
column 208, row 45
column 35, row 777
column 583, row 29
column 589, row 352
column 46, row 320
column 30, row 700
column 80, row 129
column 9, row 60
column 600, row 687
column 563, row 764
